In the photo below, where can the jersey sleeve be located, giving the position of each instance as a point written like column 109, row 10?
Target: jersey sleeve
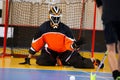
column 37, row 42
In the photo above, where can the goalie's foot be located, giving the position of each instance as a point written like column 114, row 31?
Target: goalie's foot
column 97, row 62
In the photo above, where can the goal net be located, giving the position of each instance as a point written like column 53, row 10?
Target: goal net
column 26, row 15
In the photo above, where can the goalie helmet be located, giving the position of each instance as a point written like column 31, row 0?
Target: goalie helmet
column 55, row 15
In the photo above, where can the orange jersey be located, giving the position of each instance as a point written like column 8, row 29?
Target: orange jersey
column 57, row 39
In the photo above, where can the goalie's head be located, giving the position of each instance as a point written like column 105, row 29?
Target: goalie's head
column 55, row 15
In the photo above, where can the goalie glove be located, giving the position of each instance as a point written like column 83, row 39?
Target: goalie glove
column 27, row 61
column 78, row 43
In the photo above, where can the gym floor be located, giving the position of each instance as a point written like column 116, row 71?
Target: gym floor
column 11, row 70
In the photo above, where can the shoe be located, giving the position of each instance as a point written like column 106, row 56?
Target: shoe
column 97, row 62
column 116, row 75
column 118, row 78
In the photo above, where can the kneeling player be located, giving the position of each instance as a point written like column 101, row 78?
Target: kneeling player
column 55, row 40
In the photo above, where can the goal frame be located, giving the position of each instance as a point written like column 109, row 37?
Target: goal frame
column 7, row 21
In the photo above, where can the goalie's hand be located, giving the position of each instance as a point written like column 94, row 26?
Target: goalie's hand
column 27, row 61
column 78, row 43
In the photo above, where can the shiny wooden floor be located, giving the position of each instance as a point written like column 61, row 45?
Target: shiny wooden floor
column 9, row 66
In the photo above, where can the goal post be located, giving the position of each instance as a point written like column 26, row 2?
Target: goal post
column 5, row 27
column 25, row 16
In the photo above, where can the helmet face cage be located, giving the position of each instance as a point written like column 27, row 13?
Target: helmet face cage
column 55, row 14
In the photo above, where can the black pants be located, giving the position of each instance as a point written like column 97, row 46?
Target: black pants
column 112, row 32
column 68, row 58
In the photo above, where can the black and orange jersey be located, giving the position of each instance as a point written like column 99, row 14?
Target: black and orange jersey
column 57, row 39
